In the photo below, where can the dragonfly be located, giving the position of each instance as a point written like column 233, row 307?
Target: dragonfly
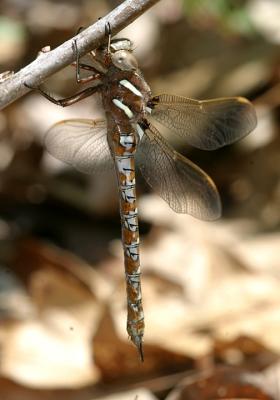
column 127, row 138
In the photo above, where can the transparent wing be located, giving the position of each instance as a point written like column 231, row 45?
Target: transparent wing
column 208, row 124
column 183, row 185
column 81, row 143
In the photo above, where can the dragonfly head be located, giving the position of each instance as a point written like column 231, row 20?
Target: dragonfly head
column 120, row 54
column 124, row 60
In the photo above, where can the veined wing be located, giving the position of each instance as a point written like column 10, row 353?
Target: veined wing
column 183, row 185
column 207, row 124
column 81, row 143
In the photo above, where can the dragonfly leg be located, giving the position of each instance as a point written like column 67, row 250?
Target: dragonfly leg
column 68, row 101
column 108, row 33
column 79, row 30
column 96, row 74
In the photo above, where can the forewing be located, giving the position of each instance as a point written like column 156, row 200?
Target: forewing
column 183, row 185
column 81, row 143
column 207, row 125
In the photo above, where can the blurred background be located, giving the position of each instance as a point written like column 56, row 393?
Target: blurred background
column 210, row 289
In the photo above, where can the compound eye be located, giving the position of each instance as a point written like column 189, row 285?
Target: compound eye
column 124, row 60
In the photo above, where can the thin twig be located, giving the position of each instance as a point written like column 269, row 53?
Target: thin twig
column 49, row 63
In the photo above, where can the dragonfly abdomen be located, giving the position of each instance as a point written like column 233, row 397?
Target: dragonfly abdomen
column 124, row 147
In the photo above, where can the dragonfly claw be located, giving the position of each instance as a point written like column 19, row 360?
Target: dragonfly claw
column 29, row 86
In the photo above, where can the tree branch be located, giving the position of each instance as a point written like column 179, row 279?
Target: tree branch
column 49, row 63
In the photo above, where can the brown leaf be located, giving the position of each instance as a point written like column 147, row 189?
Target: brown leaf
column 245, row 352
column 224, row 384
column 118, row 359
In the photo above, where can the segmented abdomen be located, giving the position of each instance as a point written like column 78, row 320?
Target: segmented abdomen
column 124, row 147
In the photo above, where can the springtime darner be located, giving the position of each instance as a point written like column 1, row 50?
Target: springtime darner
column 127, row 137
